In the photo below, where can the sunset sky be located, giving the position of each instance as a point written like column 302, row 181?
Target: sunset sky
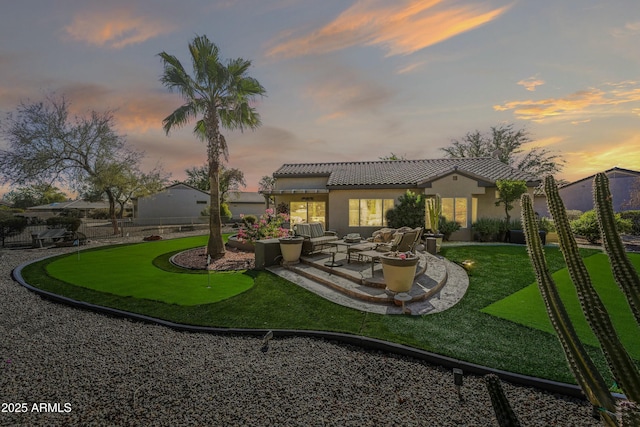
column 346, row 80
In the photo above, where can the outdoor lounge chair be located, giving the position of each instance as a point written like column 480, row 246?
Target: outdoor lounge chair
column 403, row 242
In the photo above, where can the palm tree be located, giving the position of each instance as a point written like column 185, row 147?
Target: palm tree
column 221, row 96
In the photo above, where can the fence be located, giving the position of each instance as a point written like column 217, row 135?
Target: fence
column 127, row 229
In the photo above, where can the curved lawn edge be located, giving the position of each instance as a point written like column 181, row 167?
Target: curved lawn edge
column 368, row 343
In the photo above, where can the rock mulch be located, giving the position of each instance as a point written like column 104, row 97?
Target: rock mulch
column 74, row 367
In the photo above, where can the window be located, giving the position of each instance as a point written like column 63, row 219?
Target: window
column 455, row 209
column 307, row 212
column 369, row 212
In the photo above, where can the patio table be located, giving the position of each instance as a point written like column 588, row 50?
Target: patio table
column 336, row 244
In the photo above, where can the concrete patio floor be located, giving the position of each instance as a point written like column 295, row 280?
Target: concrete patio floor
column 441, row 286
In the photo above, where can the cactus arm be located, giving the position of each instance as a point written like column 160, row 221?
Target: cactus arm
column 581, row 365
column 620, row 363
column 504, row 413
column 623, row 271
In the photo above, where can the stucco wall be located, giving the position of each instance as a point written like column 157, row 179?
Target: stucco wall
column 339, row 201
column 579, row 195
column 238, row 209
column 181, row 204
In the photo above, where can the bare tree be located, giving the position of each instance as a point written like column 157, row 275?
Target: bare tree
column 45, row 143
column 505, row 143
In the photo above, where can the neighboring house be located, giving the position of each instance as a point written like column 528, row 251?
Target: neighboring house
column 579, row 194
column 353, row 197
column 53, row 209
column 176, row 204
column 245, row 203
column 183, row 204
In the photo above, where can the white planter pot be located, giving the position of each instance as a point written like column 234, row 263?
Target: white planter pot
column 291, row 248
column 399, row 273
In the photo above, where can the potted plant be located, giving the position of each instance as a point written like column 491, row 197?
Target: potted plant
column 399, row 270
column 291, row 248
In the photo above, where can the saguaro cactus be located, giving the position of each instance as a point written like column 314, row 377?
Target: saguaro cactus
column 504, row 413
column 583, row 369
column 623, row 271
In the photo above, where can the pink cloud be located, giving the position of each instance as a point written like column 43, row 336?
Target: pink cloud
column 580, row 105
column 400, row 27
column 115, row 28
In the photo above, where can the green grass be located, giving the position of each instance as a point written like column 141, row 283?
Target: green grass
column 526, row 306
column 462, row 332
column 130, row 271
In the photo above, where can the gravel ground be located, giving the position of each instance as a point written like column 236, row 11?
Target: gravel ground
column 68, row 367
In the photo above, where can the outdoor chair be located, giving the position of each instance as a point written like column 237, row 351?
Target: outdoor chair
column 315, row 236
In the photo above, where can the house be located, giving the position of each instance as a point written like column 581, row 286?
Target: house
column 52, row 209
column 578, row 195
column 183, row 204
column 353, row 197
column 245, row 203
column 177, row 204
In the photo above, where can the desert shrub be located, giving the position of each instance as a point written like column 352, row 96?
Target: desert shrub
column 447, row 228
column 488, row 229
column 634, row 217
column 70, row 224
column 587, row 226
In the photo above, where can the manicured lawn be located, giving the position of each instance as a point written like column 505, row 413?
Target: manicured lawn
column 129, row 271
column 526, row 306
column 463, row 332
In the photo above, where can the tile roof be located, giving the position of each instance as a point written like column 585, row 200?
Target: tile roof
column 403, row 172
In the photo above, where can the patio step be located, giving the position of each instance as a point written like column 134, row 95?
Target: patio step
column 352, row 281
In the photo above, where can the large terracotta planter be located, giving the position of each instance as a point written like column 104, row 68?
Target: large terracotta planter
column 399, row 273
column 291, row 248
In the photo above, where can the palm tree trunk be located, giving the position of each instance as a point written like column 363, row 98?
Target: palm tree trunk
column 215, row 246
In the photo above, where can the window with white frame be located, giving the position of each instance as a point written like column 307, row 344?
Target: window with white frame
column 369, row 212
column 455, row 209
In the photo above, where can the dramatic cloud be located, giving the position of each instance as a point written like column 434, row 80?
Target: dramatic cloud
column 531, row 83
column 115, row 28
column 600, row 157
column 579, row 106
column 400, row 28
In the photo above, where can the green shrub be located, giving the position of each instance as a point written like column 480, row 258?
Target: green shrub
column 409, row 212
column 99, row 213
column 546, row 224
column 587, row 226
column 573, row 214
column 634, row 217
column 249, row 219
column 488, row 229
column 11, row 225
column 447, row 228
column 70, row 224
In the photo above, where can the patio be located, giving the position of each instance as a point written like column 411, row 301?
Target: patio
column 439, row 284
